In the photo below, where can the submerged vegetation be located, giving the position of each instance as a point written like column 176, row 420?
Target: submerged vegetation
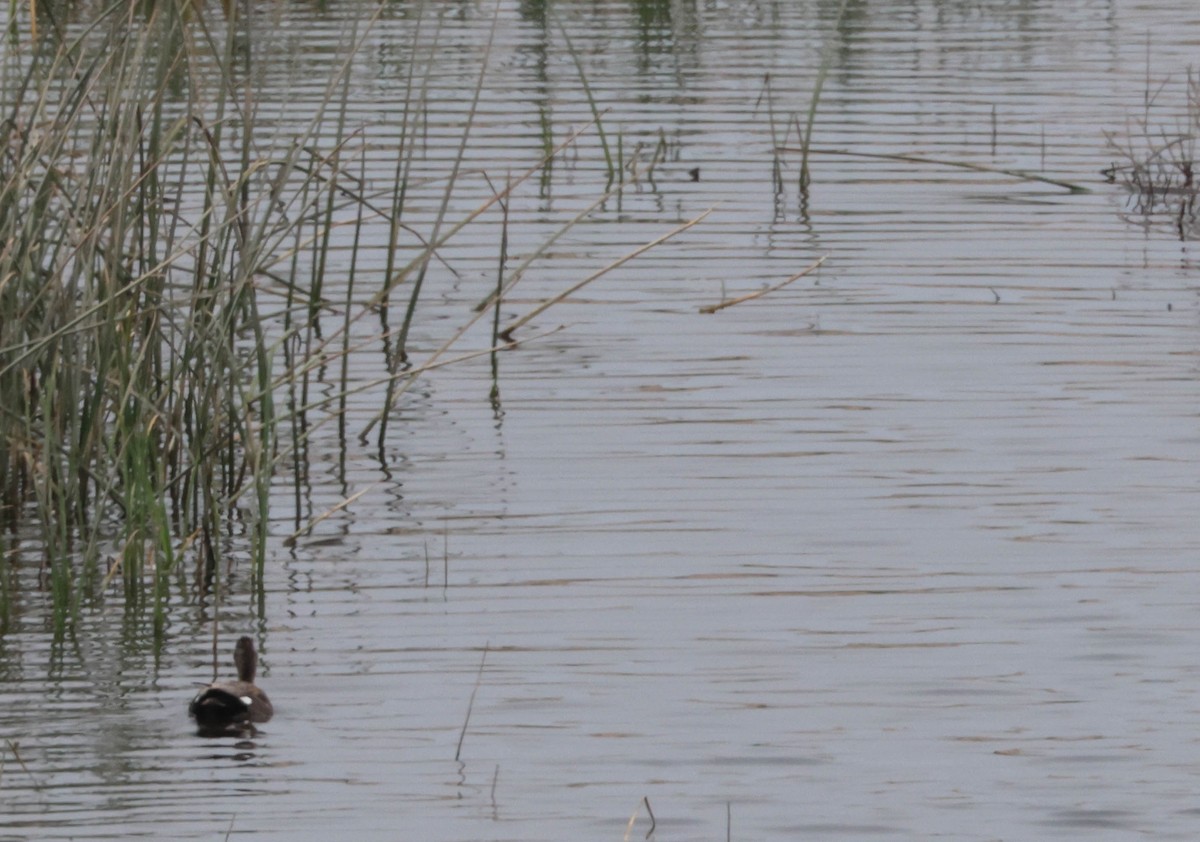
column 175, row 270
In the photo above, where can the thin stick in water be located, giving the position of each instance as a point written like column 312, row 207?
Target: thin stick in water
column 495, row 809
column 471, row 704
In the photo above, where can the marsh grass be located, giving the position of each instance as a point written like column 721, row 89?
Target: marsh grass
column 781, row 130
column 164, row 314
column 828, row 51
column 1156, row 158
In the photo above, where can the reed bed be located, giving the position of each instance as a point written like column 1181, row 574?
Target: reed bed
column 163, row 309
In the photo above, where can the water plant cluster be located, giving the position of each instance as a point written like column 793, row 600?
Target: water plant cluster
column 1156, row 160
column 165, row 298
column 137, row 386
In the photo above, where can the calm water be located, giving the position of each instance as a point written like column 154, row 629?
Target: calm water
column 906, row 549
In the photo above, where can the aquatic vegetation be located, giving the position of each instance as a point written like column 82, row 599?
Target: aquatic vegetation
column 175, row 276
column 827, row 55
column 1156, row 159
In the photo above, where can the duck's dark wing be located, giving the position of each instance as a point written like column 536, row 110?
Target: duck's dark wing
column 220, row 703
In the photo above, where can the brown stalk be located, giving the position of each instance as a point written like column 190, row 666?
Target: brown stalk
column 729, row 302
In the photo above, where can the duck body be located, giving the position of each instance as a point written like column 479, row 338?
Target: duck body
column 232, row 703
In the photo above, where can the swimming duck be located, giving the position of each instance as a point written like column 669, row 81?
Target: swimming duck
column 228, row 703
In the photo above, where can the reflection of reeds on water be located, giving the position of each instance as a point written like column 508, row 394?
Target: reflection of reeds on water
column 1157, row 163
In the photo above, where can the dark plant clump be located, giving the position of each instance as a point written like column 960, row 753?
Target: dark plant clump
column 1157, row 164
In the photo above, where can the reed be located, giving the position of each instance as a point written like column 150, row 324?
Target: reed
column 137, row 366
column 828, row 52
column 494, row 395
column 1021, row 175
column 1156, row 158
column 166, row 337
column 597, row 113
column 462, row 735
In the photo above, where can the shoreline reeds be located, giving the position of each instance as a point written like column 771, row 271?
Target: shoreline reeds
column 163, row 309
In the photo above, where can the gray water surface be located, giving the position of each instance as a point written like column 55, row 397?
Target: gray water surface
column 907, row 549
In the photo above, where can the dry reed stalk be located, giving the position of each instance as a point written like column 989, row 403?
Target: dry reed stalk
column 621, row 261
column 940, row 162
column 714, row 308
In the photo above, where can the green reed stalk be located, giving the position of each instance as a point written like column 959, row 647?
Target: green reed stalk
column 613, row 169
column 408, row 136
column 451, row 183
column 400, row 353
column 348, row 307
column 827, row 55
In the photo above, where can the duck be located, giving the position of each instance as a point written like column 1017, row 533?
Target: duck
column 233, row 703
